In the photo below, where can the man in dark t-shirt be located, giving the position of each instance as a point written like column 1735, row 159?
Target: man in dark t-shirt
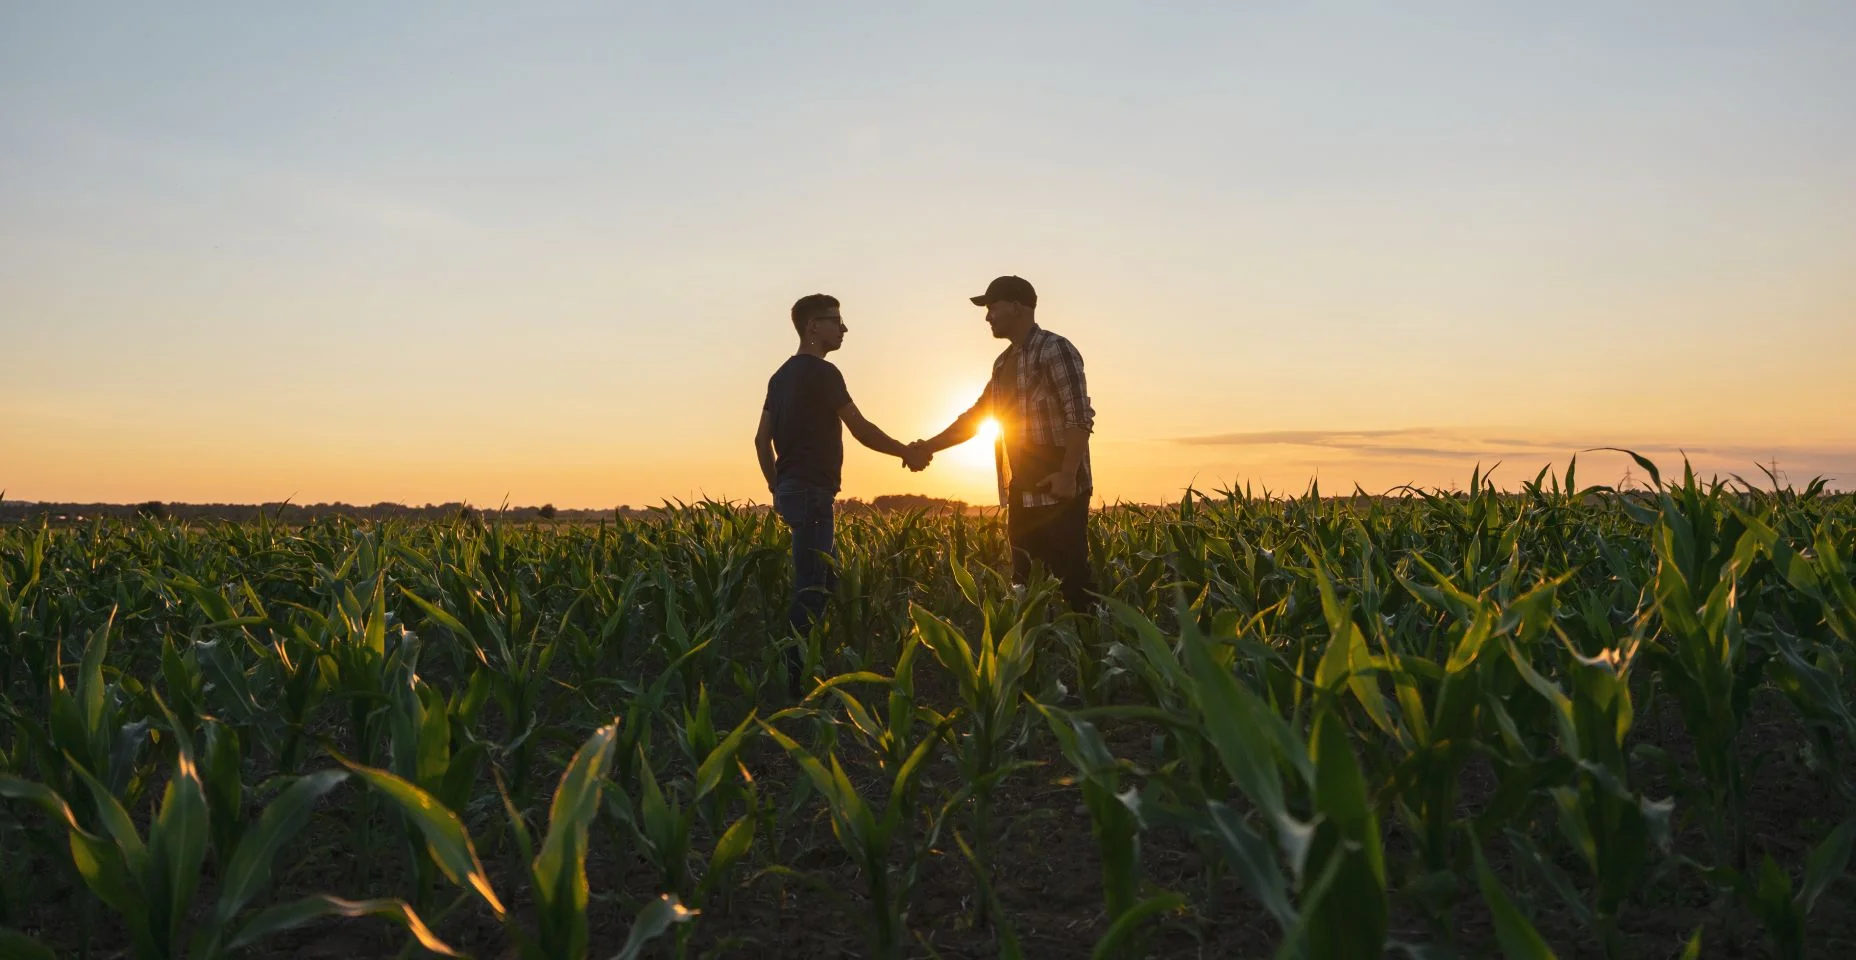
column 801, row 451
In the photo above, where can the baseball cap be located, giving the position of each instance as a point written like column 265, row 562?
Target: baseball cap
column 1014, row 289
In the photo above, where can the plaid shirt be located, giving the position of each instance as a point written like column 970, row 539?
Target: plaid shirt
column 1036, row 392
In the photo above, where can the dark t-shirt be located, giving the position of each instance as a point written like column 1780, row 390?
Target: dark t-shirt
column 804, row 396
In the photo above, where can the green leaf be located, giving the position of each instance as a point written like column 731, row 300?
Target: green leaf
column 660, row 823
column 212, row 602
column 715, row 765
column 559, row 870
column 375, row 637
column 111, row 878
column 849, row 814
column 177, row 846
column 735, row 843
column 41, row 796
column 525, row 842
column 1481, row 626
column 658, row 916
column 950, row 647
column 1519, row 939
column 1656, row 477
column 225, row 788
column 104, row 864
column 1253, row 860
column 1230, row 710
column 290, row 916
column 1155, row 653
column 1350, row 919
column 17, row 946
column 449, row 622
column 91, row 693
column 433, row 738
column 249, row 869
column 1120, row 934
column 1772, row 894
column 1555, row 877
column 905, row 774
column 968, row 588
column 115, row 819
column 1340, row 787
column 445, row 837
column 1003, row 931
column 1827, row 862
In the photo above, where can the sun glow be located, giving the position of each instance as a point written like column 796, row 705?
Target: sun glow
column 976, row 454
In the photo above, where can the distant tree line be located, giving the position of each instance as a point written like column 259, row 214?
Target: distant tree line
column 903, row 503
column 16, row 511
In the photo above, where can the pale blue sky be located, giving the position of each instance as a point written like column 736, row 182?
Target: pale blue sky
column 460, row 251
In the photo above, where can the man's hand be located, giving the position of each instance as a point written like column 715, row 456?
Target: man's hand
column 1061, row 485
column 918, row 456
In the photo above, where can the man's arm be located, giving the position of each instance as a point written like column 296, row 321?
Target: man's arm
column 763, row 447
column 868, row 434
column 964, row 426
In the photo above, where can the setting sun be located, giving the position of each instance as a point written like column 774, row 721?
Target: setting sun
column 976, row 454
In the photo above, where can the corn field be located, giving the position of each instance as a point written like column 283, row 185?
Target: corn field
column 1568, row 721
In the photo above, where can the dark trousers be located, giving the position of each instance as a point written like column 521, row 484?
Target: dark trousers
column 1056, row 536
column 807, row 510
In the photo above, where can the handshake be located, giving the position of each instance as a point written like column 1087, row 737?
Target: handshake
column 917, row 456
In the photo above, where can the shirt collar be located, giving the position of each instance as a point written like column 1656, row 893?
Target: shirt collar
column 1030, row 335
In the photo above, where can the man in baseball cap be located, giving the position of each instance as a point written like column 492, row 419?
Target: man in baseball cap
column 1039, row 398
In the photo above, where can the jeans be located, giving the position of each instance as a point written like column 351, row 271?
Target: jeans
column 807, row 510
column 1056, row 536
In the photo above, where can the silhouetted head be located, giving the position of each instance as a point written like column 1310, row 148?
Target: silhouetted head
column 1011, row 307
column 819, row 323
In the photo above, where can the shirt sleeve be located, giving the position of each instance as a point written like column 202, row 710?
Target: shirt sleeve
column 981, row 407
column 832, row 388
column 1065, row 367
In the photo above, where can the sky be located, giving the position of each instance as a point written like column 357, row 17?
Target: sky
column 544, row 252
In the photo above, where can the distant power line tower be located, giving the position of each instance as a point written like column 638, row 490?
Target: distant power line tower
column 1777, row 475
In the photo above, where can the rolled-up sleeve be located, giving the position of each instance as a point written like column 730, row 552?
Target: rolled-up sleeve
column 1066, row 375
column 981, row 408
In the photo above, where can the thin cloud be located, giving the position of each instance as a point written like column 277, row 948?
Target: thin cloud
column 1515, row 443
column 1311, row 438
column 1422, row 453
column 1433, row 443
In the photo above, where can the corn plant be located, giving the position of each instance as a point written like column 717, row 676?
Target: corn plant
column 1113, row 823
column 150, row 881
column 557, row 870
column 1783, row 910
column 984, row 730
column 1708, row 662
column 1615, row 832
column 660, row 823
column 867, row 834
